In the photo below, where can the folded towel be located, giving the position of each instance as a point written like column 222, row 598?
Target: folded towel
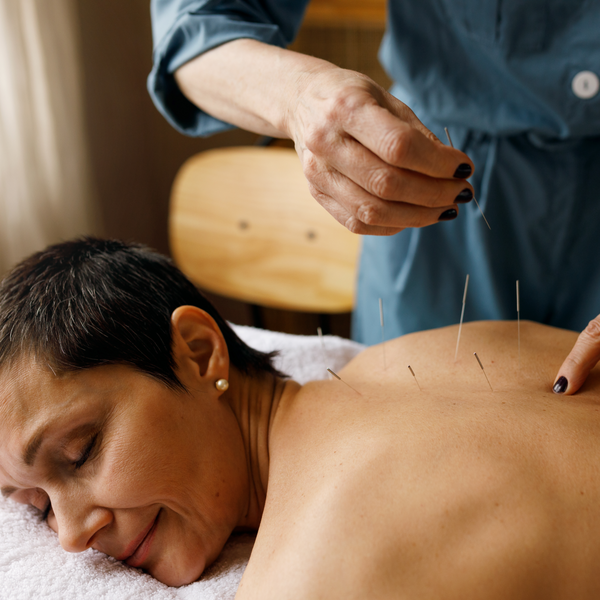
column 303, row 357
column 33, row 565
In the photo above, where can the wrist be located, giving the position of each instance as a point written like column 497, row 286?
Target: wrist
column 305, row 75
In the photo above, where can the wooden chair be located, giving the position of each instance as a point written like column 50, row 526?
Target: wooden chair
column 363, row 13
column 244, row 225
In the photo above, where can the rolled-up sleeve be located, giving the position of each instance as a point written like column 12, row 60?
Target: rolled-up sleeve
column 183, row 29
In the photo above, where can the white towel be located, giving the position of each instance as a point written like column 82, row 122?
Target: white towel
column 303, row 357
column 34, row 566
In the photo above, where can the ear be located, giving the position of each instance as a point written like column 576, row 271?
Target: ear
column 199, row 347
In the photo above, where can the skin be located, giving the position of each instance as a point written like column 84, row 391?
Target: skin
column 367, row 158
column 584, row 356
column 190, row 458
column 389, row 491
column 451, row 491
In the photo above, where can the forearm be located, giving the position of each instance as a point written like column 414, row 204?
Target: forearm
column 249, row 84
column 367, row 158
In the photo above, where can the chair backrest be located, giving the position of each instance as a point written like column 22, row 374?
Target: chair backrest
column 244, row 225
column 356, row 13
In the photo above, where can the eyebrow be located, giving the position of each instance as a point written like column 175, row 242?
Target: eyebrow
column 33, row 446
column 28, row 458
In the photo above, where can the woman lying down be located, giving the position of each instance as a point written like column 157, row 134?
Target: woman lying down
column 140, row 425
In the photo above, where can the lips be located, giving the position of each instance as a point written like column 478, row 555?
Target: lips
column 138, row 550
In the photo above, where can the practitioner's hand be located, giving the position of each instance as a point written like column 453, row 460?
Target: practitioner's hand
column 369, row 161
column 582, row 359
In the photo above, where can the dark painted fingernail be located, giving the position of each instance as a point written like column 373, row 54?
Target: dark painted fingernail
column 448, row 215
column 463, row 171
column 464, row 196
column 561, row 385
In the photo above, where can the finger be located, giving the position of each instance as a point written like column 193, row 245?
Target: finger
column 350, row 222
column 387, row 182
column 404, row 112
column 581, row 360
column 362, row 212
column 406, row 144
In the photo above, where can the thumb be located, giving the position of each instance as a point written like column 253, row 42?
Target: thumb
column 581, row 360
column 405, row 113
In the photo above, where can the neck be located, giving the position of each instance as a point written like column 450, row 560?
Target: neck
column 254, row 402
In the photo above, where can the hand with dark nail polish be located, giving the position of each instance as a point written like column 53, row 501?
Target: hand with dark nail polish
column 584, row 356
column 448, row 215
column 561, row 385
column 465, row 196
column 371, row 163
column 463, row 171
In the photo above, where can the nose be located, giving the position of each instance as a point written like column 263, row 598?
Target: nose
column 78, row 522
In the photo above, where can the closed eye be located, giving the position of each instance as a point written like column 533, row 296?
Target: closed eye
column 89, row 449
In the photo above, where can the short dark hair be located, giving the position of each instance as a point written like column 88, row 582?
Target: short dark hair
column 92, row 302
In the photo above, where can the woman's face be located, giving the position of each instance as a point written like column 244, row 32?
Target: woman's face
column 131, row 468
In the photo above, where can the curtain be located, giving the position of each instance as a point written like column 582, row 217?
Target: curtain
column 45, row 192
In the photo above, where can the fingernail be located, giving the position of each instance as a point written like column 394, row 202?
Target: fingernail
column 464, row 196
column 463, row 171
column 561, row 385
column 448, row 215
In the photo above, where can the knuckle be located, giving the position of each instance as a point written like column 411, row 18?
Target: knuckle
column 316, row 136
column 353, row 225
column 397, row 146
column 342, row 106
column 592, row 331
column 382, row 182
column 369, row 213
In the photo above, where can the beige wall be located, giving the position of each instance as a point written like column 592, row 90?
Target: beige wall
column 135, row 153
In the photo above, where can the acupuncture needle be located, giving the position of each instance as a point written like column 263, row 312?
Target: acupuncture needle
column 413, row 374
column 382, row 332
column 474, row 199
column 462, row 315
column 338, row 377
column 486, row 377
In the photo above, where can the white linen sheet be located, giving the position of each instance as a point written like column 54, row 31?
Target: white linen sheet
column 34, row 566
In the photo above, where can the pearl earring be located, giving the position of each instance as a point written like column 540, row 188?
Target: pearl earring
column 222, row 385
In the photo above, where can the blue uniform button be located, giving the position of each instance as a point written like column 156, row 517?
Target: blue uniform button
column 585, row 85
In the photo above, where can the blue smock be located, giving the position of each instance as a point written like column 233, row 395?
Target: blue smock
column 514, row 82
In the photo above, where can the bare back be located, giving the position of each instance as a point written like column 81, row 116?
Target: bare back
column 448, row 491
